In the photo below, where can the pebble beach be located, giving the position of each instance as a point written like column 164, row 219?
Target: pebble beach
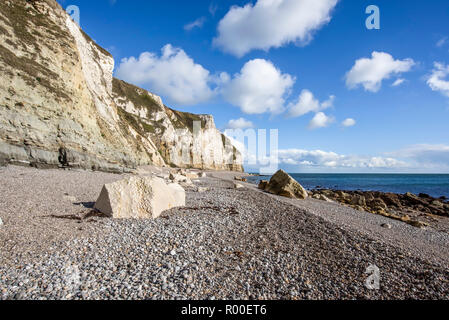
column 225, row 244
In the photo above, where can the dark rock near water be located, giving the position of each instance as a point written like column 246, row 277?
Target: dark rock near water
column 284, row 185
column 263, row 184
column 391, row 199
column 395, row 206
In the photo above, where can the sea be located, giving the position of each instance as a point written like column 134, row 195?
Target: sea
column 435, row 185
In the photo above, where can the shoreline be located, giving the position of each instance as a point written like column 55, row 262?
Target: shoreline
column 420, row 210
column 225, row 244
column 333, row 186
column 372, row 225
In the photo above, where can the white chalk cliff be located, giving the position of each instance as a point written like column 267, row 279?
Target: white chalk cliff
column 61, row 106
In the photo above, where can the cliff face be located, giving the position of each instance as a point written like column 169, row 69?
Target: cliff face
column 61, row 106
column 182, row 139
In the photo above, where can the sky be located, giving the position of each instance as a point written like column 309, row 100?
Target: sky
column 343, row 97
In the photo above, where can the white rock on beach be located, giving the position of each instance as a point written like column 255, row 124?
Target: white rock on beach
column 179, row 178
column 70, row 198
column 139, row 198
column 238, row 186
column 322, row 197
column 192, row 175
column 179, row 194
column 1, row 222
column 163, row 176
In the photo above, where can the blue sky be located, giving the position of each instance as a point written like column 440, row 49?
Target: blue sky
column 267, row 62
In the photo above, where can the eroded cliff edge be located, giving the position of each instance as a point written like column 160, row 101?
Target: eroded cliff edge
column 61, row 106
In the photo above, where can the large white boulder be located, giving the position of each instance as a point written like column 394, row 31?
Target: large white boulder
column 179, row 194
column 139, row 198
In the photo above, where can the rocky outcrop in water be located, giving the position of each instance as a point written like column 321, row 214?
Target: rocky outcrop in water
column 417, row 210
column 61, row 107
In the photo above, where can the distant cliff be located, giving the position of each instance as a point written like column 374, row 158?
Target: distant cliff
column 61, row 106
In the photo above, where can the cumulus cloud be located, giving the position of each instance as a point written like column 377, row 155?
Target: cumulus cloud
column 319, row 158
column 259, row 88
column 272, row 23
column 198, row 23
column 173, row 74
column 307, row 103
column 349, row 122
column 436, row 80
column 240, row 123
column 320, row 120
column 370, row 72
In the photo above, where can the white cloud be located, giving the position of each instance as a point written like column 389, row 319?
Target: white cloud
column 370, row 72
column 398, row 82
column 425, row 155
column 441, row 42
column 259, row 88
column 416, row 158
column 198, row 23
column 307, row 103
column 272, row 23
column 173, row 74
column 240, row 123
column 349, row 122
column 320, row 120
column 319, row 158
column 436, row 80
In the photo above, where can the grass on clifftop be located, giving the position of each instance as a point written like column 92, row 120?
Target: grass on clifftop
column 141, row 99
column 136, row 95
column 100, row 48
column 140, row 126
column 185, row 120
column 24, row 17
